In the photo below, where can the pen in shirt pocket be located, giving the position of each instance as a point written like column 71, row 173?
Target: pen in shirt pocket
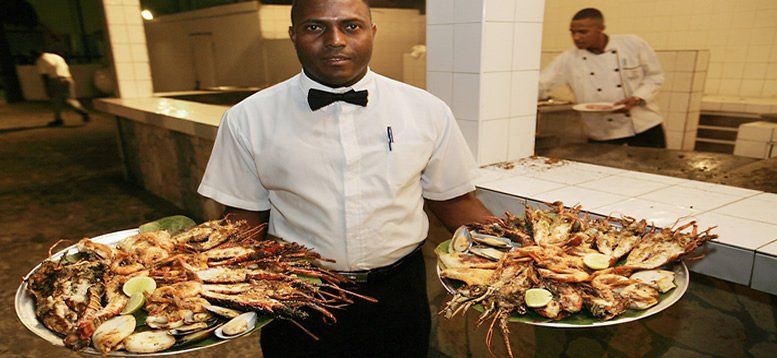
column 389, row 137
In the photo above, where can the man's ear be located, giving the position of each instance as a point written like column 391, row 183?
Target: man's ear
column 292, row 34
column 374, row 30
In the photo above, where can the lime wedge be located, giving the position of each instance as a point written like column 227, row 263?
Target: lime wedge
column 139, row 284
column 596, row 261
column 537, row 297
column 135, row 302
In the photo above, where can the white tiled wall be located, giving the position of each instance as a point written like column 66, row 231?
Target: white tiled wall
column 483, row 59
column 680, row 98
column 127, row 41
column 740, row 35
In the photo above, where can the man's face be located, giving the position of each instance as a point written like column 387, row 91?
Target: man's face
column 333, row 39
column 586, row 33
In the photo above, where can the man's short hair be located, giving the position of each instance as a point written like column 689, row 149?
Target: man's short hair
column 588, row 13
column 295, row 8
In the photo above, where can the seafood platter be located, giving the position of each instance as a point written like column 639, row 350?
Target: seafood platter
column 557, row 267
column 171, row 287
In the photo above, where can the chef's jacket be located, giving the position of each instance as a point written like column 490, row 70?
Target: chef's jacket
column 627, row 67
column 345, row 180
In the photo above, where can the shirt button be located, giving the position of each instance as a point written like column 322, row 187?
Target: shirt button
column 592, row 73
column 614, row 51
column 609, row 119
column 628, row 115
column 599, row 89
column 585, row 58
column 619, row 86
column 617, row 70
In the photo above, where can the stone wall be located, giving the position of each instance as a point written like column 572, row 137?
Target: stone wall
column 169, row 164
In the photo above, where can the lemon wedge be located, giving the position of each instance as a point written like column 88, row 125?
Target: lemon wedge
column 537, row 297
column 135, row 302
column 139, row 284
column 596, row 261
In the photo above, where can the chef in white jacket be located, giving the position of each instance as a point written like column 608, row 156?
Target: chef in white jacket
column 619, row 69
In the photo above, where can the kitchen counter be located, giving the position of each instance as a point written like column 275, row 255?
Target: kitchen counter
column 719, row 168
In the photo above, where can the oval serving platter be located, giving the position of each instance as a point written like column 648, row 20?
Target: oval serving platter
column 584, row 319
column 25, row 311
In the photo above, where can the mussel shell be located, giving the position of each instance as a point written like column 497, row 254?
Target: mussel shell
column 487, row 252
column 461, row 241
column 192, row 328
column 197, row 336
column 249, row 319
column 198, row 317
column 490, row 240
column 223, row 311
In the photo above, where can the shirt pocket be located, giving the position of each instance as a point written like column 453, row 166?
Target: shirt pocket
column 406, row 161
column 632, row 70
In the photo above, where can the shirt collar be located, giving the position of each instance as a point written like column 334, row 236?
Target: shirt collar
column 611, row 45
column 306, row 83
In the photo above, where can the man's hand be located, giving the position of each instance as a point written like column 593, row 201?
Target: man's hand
column 630, row 102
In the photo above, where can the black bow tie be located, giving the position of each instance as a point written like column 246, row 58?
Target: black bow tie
column 318, row 99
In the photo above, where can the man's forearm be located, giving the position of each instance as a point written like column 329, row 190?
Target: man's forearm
column 458, row 211
column 252, row 218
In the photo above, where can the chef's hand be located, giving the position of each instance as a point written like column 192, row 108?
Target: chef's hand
column 630, row 102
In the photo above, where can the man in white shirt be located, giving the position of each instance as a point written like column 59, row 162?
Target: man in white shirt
column 619, row 69
column 342, row 160
column 59, row 85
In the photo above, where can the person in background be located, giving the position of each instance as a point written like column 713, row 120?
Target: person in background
column 342, row 160
column 619, row 69
column 59, row 85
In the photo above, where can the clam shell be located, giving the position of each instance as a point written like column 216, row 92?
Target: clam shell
column 490, row 240
column 238, row 326
column 109, row 334
column 148, row 342
column 461, row 241
column 487, row 252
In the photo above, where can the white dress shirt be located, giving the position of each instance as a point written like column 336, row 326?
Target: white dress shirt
column 627, row 67
column 328, row 176
column 52, row 65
